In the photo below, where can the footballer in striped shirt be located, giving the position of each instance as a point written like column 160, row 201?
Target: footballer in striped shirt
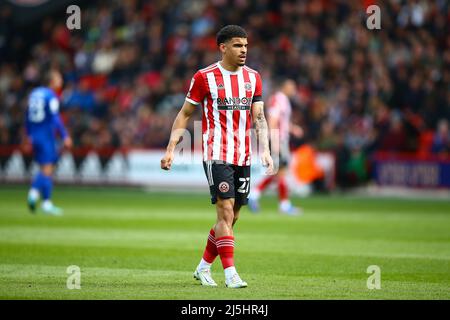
column 280, row 118
column 230, row 95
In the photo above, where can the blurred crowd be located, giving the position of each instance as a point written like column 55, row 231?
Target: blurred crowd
column 359, row 91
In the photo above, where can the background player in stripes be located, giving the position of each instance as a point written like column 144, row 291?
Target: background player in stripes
column 230, row 95
column 42, row 121
column 279, row 112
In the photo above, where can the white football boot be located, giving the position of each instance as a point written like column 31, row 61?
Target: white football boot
column 235, row 282
column 49, row 209
column 33, row 198
column 204, row 275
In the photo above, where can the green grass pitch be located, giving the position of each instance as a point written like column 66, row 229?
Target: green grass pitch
column 130, row 244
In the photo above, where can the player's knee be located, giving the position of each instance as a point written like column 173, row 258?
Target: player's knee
column 226, row 213
column 47, row 169
column 226, row 205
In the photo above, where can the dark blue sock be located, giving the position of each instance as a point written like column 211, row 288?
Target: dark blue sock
column 38, row 182
column 47, row 187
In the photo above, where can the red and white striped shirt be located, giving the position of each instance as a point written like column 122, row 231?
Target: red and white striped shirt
column 227, row 98
column 280, row 109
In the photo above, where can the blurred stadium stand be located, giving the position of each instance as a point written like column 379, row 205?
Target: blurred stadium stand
column 366, row 96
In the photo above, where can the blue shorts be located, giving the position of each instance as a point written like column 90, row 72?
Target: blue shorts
column 45, row 152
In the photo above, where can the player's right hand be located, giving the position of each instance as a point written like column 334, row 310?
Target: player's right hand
column 166, row 161
column 27, row 145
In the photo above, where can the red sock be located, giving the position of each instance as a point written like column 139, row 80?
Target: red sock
column 225, row 247
column 282, row 189
column 265, row 183
column 211, row 250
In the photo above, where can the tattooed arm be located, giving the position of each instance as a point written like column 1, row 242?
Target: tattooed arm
column 262, row 132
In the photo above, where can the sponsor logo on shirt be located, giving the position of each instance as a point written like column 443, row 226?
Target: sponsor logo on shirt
column 234, row 103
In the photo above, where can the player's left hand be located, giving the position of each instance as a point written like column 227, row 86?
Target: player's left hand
column 68, row 143
column 267, row 162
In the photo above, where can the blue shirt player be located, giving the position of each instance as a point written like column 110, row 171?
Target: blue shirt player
column 43, row 125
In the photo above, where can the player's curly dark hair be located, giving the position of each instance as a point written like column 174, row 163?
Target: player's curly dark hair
column 228, row 32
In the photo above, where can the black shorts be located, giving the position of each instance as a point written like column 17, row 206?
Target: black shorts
column 227, row 181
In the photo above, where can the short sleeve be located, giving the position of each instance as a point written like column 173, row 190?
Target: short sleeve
column 54, row 105
column 197, row 89
column 257, row 96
